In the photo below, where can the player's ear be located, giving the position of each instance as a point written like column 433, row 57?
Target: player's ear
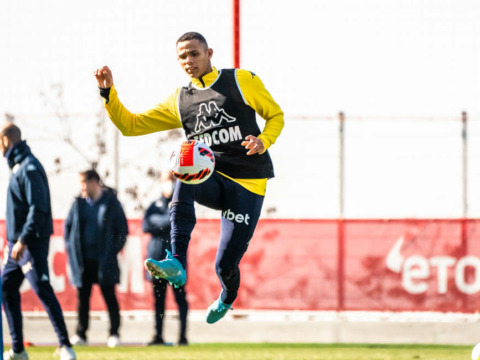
column 5, row 141
column 209, row 53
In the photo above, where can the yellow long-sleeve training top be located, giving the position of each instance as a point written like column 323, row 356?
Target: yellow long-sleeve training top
column 165, row 116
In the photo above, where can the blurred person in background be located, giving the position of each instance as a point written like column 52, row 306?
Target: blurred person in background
column 156, row 222
column 29, row 227
column 219, row 108
column 96, row 230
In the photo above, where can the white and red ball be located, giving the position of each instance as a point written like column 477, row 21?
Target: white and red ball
column 193, row 163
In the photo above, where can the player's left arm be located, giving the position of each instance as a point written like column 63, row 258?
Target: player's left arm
column 37, row 198
column 259, row 99
column 36, row 195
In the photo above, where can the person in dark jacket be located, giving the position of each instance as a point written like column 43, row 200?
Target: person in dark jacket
column 157, row 223
column 96, row 230
column 29, row 226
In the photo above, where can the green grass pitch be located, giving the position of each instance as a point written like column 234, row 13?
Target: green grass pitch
column 265, row 352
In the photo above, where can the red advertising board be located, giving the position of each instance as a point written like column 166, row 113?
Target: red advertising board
column 394, row 265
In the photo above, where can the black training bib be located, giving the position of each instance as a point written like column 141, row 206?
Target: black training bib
column 218, row 116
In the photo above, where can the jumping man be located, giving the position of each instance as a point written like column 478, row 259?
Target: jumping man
column 218, row 107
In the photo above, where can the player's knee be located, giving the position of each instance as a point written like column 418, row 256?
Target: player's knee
column 44, row 291
column 182, row 211
column 7, row 293
column 8, row 290
column 226, row 274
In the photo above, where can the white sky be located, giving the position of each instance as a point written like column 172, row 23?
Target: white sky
column 364, row 57
column 390, row 58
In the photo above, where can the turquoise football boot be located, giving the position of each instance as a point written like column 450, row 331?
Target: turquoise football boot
column 169, row 269
column 217, row 310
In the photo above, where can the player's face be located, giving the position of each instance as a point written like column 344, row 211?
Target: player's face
column 194, row 58
column 86, row 187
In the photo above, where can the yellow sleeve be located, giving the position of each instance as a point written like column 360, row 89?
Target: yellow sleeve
column 162, row 117
column 260, row 100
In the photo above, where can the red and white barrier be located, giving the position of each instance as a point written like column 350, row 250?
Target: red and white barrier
column 376, row 265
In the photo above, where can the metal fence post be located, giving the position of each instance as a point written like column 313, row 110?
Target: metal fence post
column 464, row 221
column 341, row 225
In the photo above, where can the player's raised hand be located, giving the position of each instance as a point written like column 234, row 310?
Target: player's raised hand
column 104, row 77
column 254, row 145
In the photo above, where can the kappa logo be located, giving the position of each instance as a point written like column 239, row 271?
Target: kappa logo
column 210, row 115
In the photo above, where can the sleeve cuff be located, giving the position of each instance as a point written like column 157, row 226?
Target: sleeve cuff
column 266, row 143
column 105, row 93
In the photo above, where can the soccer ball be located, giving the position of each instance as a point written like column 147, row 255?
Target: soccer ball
column 476, row 352
column 193, row 163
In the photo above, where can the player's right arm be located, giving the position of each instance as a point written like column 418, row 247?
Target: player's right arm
column 162, row 117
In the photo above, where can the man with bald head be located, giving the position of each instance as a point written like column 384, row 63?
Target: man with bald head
column 29, row 226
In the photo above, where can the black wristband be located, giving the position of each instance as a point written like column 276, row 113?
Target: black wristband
column 105, row 93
